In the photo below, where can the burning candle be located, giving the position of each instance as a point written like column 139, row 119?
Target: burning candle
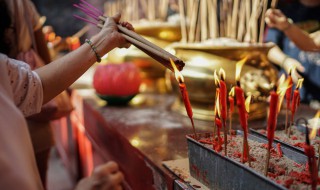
column 217, row 102
column 310, row 153
column 185, row 96
column 288, row 98
column 217, row 146
column 242, row 112
column 295, row 102
column 231, row 108
column 276, row 97
column 221, row 91
column 223, row 94
column 223, row 103
column 315, row 125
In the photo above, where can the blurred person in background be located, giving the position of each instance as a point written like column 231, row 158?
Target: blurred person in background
column 289, row 29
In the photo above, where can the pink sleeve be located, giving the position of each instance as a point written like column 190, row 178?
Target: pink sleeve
column 26, row 87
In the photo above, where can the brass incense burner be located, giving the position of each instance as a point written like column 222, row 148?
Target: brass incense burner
column 202, row 60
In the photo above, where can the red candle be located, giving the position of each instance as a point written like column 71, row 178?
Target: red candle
column 295, row 101
column 217, row 146
column 241, row 107
column 223, row 95
column 243, row 121
column 272, row 119
column 289, row 92
column 231, row 104
column 185, row 97
column 310, row 153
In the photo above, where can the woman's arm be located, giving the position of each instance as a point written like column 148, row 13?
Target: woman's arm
column 277, row 56
column 60, row 74
column 275, row 18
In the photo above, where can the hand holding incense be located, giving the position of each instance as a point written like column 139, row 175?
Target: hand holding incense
column 185, row 97
column 141, row 43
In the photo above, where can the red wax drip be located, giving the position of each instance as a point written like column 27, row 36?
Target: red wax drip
column 223, row 100
column 187, row 104
column 272, row 119
column 310, row 153
column 279, row 150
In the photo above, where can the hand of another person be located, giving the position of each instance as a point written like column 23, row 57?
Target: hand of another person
column 276, row 19
column 296, row 66
column 104, row 177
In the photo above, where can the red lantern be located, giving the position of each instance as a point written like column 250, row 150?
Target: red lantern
column 117, row 79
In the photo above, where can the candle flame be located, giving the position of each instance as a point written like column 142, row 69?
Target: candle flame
column 315, row 125
column 239, row 65
column 217, row 106
column 247, row 103
column 231, row 93
column 216, row 79
column 222, row 74
column 177, row 73
column 299, row 83
column 284, row 84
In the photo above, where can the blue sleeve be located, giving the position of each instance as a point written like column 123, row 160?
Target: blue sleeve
column 275, row 36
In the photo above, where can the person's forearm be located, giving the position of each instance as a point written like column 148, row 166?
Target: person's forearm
column 60, row 74
column 301, row 39
column 276, row 56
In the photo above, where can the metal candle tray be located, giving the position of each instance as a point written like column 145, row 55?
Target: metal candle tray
column 223, row 173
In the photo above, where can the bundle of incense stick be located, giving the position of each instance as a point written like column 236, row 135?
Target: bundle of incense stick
column 141, row 43
column 208, row 19
column 135, row 10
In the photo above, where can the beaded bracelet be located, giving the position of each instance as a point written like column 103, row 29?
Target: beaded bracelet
column 94, row 49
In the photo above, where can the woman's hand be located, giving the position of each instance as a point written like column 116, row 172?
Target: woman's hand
column 276, row 19
column 104, row 177
column 295, row 67
column 109, row 37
